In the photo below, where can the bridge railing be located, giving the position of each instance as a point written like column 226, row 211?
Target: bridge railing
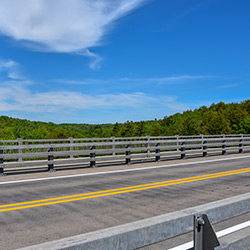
column 93, row 151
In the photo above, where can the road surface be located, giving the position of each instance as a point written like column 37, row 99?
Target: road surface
column 40, row 207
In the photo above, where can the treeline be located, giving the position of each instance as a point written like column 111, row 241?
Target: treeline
column 220, row 118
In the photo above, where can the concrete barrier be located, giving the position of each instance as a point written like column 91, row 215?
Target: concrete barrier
column 239, row 240
column 148, row 231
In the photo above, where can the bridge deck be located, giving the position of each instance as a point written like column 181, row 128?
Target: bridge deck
column 36, row 224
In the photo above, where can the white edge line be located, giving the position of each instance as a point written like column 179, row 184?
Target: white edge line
column 122, row 170
column 184, row 246
column 218, row 234
column 233, row 229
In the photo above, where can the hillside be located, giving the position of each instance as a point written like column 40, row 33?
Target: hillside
column 219, row 118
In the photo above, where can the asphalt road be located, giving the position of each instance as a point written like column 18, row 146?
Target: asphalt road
column 37, row 211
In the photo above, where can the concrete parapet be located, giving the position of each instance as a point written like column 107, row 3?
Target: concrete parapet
column 239, row 240
column 148, row 231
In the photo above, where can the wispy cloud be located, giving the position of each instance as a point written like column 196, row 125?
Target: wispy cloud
column 71, row 82
column 169, row 79
column 11, row 67
column 13, row 97
column 60, row 25
column 226, row 86
column 6, row 65
column 19, row 95
column 69, row 106
column 186, row 11
column 173, row 103
column 95, row 58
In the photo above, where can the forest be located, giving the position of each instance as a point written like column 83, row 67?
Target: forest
column 220, row 118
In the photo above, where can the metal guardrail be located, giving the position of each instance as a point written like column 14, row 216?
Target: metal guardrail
column 152, row 230
column 59, row 152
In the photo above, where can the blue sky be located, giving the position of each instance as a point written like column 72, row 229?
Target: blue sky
column 102, row 61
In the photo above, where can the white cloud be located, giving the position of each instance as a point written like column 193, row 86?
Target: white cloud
column 169, row 79
column 71, row 82
column 95, row 58
column 20, row 98
column 228, row 86
column 180, row 78
column 11, row 67
column 159, row 80
column 62, row 25
column 172, row 103
column 19, row 95
column 5, row 65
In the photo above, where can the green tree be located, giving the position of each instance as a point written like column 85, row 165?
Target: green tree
column 244, row 127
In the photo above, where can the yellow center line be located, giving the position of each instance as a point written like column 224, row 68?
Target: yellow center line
column 118, row 191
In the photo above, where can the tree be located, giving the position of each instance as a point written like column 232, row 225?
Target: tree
column 217, row 119
column 244, row 126
column 215, row 123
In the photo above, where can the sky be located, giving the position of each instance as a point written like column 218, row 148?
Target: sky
column 107, row 61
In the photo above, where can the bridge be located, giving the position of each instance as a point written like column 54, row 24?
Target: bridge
column 40, row 207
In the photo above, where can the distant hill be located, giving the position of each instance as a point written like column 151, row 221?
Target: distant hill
column 219, row 118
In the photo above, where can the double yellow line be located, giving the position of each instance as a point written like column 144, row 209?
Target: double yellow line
column 85, row 196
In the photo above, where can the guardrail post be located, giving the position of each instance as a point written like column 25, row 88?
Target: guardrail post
column 113, row 146
column 71, row 148
column 92, row 157
column 204, row 148
column 148, row 145
column 204, row 235
column 128, row 154
column 1, row 162
column 224, row 151
column 241, row 145
column 157, row 152
column 177, row 142
column 20, row 151
column 51, row 161
column 183, row 155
